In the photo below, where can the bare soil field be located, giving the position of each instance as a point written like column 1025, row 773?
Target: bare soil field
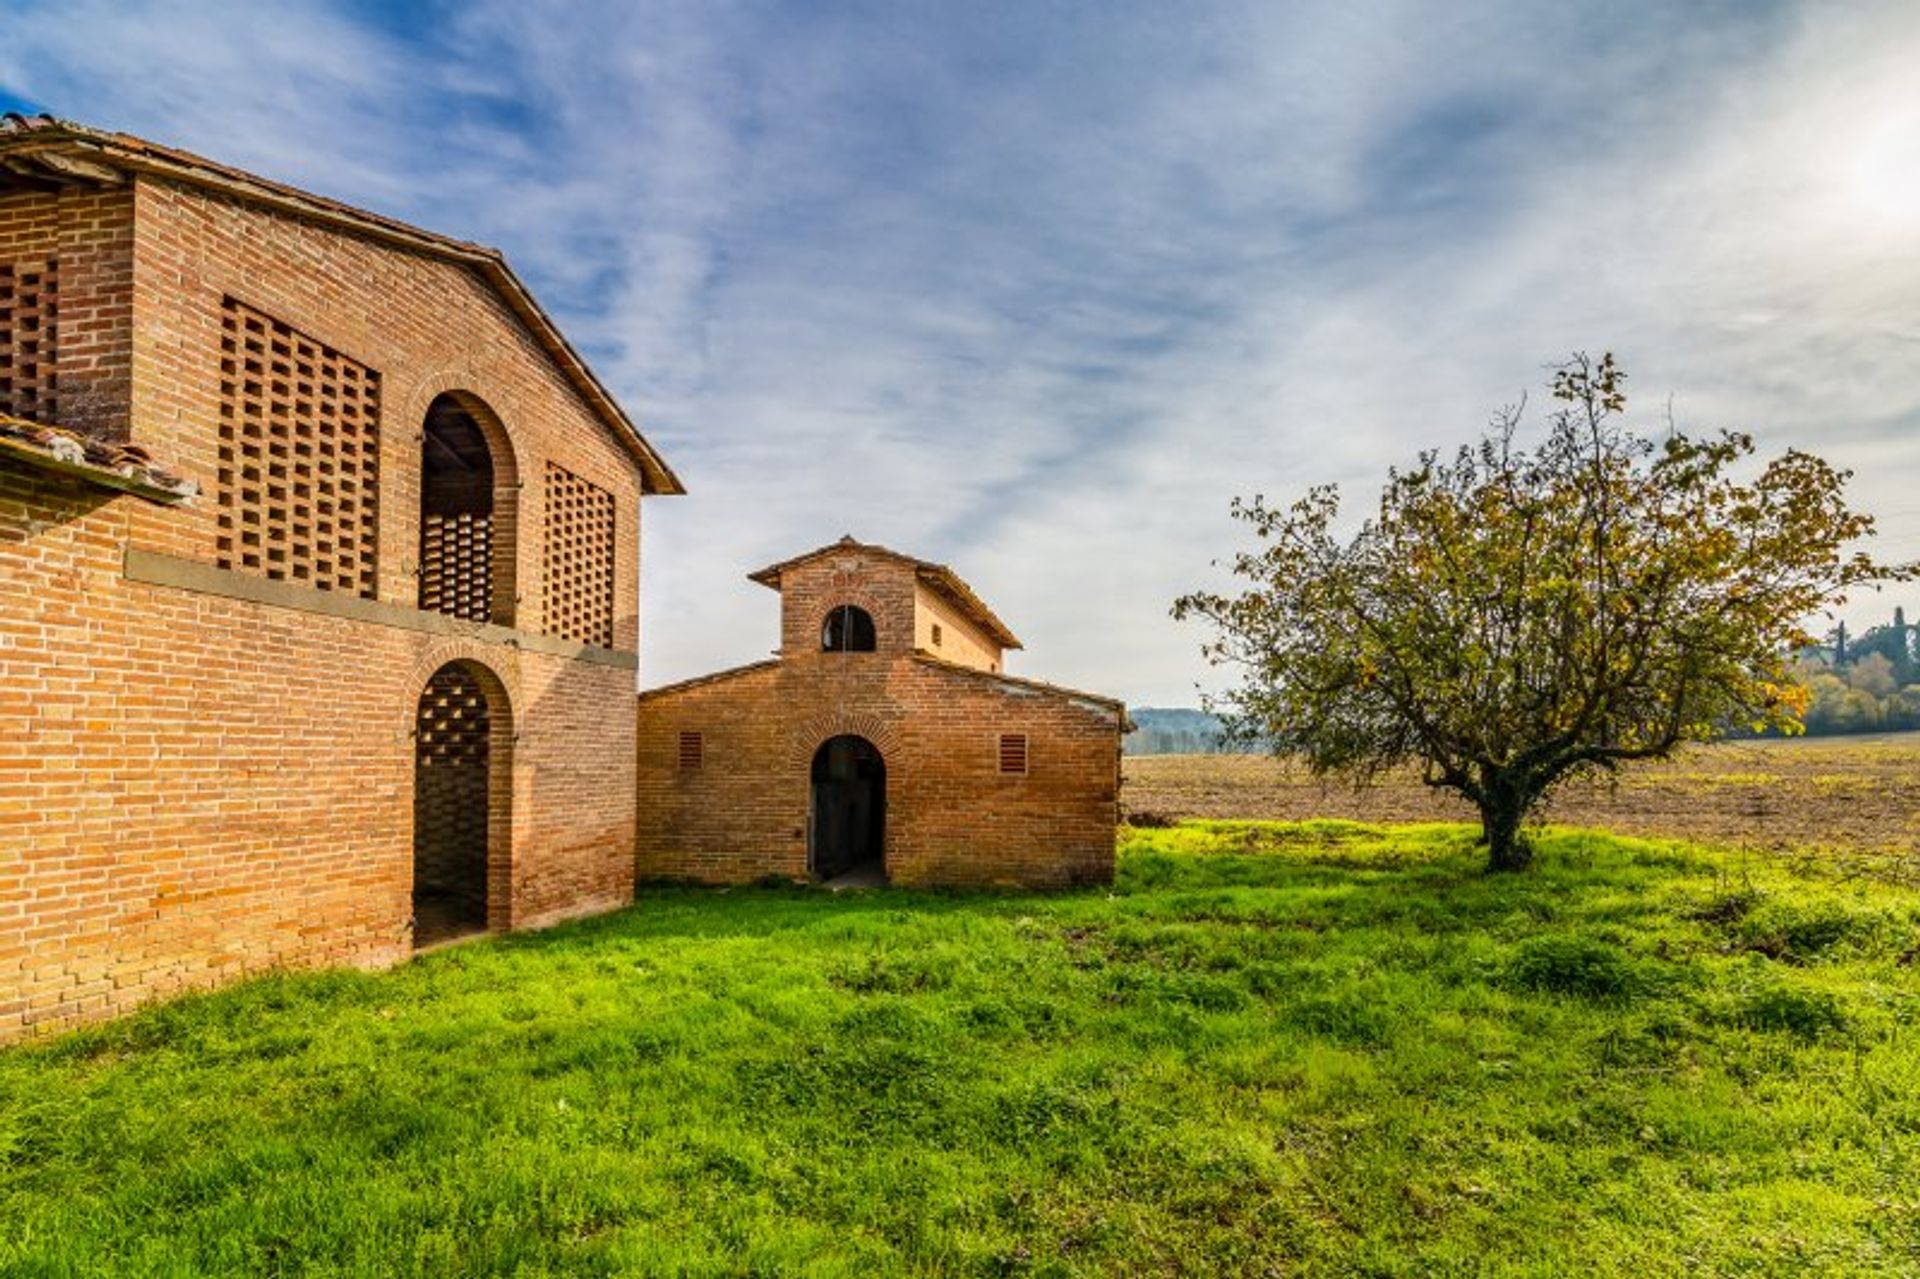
column 1858, row 794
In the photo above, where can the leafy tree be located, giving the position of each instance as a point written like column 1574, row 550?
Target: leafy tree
column 1511, row 618
column 1872, row 675
column 1887, row 642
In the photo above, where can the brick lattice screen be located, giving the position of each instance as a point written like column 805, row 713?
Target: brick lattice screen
column 579, row 559
column 451, row 750
column 29, row 306
column 456, row 565
column 299, row 456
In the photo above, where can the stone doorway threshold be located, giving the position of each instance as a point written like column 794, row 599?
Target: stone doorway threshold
column 865, row 875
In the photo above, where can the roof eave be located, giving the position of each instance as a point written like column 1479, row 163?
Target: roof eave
column 950, row 584
column 119, row 151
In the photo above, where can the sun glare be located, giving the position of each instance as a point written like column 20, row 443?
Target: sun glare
column 1884, row 171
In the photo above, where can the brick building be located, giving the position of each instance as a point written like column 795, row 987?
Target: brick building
column 883, row 743
column 374, row 684
column 319, row 611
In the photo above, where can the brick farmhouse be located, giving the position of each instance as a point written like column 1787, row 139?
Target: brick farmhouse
column 882, row 743
column 319, row 600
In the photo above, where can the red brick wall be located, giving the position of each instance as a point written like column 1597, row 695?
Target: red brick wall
column 194, row 786
column 90, row 235
column 952, row 817
column 881, row 585
column 428, row 326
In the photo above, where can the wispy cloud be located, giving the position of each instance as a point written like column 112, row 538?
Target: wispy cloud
column 1034, row 289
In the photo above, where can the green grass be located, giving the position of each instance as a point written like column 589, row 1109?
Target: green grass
column 1271, row 1049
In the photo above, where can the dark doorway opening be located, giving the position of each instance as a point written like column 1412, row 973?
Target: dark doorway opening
column 456, row 515
column 849, row 811
column 452, row 793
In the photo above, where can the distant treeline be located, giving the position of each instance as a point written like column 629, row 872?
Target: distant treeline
column 1866, row 683
column 1175, row 731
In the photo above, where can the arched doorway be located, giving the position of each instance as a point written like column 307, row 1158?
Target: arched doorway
column 466, row 554
column 460, row 801
column 848, row 833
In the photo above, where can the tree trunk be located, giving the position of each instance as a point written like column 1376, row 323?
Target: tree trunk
column 1502, row 810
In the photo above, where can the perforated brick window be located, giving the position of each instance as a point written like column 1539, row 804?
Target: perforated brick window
column 692, row 751
column 1013, row 752
column 457, row 528
column 299, row 456
column 456, row 565
column 29, row 309
column 578, row 559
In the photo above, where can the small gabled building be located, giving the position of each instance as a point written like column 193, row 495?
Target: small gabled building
column 883, row 744
column 319, row 573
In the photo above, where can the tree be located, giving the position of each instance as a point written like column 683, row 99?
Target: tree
column 1872, row 675
column 1511, row 618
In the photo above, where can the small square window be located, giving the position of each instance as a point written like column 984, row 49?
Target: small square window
column 1013, row 752
column 692, row 751
column 936, row 635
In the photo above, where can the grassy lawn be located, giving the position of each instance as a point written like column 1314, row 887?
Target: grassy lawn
column 1272, row 1049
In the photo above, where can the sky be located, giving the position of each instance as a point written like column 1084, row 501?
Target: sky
column 1034, row 289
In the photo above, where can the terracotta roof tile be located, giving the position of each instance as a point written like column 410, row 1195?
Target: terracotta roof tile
column 114, row 463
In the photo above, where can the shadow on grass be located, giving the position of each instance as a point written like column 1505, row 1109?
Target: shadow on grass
column 1319, row 877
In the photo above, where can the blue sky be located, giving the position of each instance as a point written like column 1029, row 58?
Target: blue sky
column 1035, row 288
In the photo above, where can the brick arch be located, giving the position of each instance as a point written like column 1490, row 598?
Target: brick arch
column 502, row 687
column 463, row 805
column 816, row 732
column 841, row 592
column 477, row 394
column 471, row 392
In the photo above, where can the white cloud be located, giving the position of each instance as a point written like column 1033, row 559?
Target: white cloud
column 1034, row 291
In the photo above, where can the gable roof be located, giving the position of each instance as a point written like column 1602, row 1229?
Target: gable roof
column 938, row 577
column 45, row 153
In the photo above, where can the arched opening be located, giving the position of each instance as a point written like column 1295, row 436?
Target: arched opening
column 848, row 629
column 848, row 832
column 461, row 793
column 466, row 555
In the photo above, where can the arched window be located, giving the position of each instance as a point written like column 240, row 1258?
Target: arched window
column 465, row 548
column 848, row 629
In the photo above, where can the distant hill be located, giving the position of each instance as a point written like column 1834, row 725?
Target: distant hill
column 1173, row 730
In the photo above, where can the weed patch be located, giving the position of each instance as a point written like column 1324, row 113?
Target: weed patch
column 1803, row 932
column 1806, row 1014
column 1578, row 966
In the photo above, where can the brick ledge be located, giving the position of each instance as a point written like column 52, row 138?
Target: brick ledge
column 156, row 569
